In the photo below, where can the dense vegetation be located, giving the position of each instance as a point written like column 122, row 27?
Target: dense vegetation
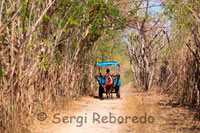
column 48, row 52
column 49, row 48
column 180, row 72
column 164, row 50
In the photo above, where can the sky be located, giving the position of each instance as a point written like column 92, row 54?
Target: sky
column 157, row 8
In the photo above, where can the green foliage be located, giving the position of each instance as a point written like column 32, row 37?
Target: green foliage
column 40, row 1
column 183, row 84
column 12, row 110
column 127, row 77
column 179, row 12
column 25, row 89
column 114, row 12
column 47, row 18
column 68, row 29
column 2, row 72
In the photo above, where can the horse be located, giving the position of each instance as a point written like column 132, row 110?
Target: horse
column 109, row 85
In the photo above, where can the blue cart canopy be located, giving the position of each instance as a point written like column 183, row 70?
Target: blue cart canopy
column 109, row 63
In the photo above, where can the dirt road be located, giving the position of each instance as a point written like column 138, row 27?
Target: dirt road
column 149, row 111
column 95, row 108
column 140, row 112
column 90, row 108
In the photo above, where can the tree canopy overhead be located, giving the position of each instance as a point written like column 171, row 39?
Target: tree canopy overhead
column 49, row 48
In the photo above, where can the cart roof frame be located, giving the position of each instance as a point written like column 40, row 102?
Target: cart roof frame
column 108, row 63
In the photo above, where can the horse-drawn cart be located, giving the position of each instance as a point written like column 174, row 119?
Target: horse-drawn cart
column 102, row 79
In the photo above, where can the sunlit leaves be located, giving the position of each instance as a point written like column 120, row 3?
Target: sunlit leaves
column 2, row 72
column 114, row 12
column 72, row 22
column 179, row 11
column 40, row 0
column 46, row 17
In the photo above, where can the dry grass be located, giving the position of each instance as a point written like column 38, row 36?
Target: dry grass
column 177, row 78
column 139, row 104
column 69, row 109
column 167, row 118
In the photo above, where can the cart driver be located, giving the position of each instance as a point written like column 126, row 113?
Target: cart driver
column 108, row 75
column 107, row 72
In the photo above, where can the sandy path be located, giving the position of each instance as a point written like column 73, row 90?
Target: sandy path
column 89, row 108
column 93, row 108
column 166, row 118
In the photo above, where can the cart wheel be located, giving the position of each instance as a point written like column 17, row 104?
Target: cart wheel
column 100, row 92
column 118, row 93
